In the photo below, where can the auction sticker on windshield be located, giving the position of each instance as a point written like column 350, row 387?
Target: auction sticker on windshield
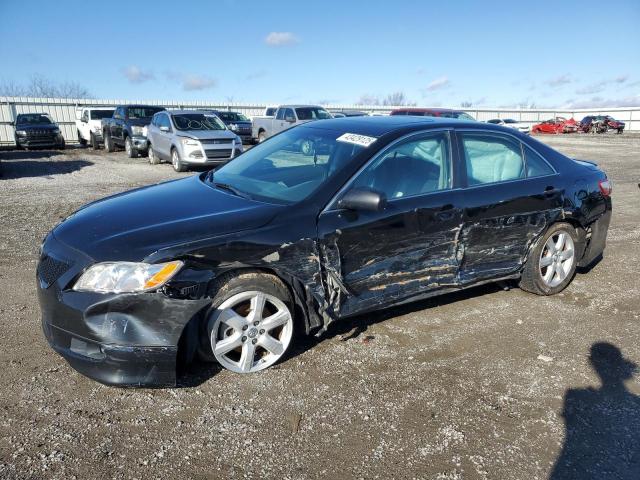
column 356, row 139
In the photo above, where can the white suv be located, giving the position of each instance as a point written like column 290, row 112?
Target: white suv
column 190, row 137
column 88, row 124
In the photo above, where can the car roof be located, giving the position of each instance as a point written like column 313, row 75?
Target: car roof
column 382, row 125
column 301, row 106
column 428, row 110
column 188, row 112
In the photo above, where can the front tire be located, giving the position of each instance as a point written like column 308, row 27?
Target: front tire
column 132, row 152
column 552, row 262
column 250, row 326
column 262, row 136
column 153, row 158
column 94, row 142
column 176, row 161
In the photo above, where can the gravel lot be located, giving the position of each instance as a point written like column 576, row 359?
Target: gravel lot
column 471, row 385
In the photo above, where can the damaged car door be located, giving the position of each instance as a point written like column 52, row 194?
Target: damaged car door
column 404, row 244
column 512, row 195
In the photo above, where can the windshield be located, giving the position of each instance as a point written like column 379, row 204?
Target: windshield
column 197, row 121
column 312, row 113
column 288, row 167
column 33, row 119
column 270, row 111
column 100, row 114
column 509, row 120
column 232, row 117
column 142, row 112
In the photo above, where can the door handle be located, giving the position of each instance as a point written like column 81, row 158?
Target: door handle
column 550, row 190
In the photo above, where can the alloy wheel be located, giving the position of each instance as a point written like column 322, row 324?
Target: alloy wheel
column 556, row 259
column 250, row 331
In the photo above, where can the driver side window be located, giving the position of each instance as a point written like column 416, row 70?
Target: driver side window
column 415, row 166
column 280, row 114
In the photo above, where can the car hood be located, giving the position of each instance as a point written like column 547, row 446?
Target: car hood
column 205, row 135
column 132, row 225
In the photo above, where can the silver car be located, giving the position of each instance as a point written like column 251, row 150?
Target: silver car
column 190, row 137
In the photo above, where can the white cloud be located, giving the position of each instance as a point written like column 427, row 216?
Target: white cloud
column 591, row 89
column 559, row 80
column 198, row 82
column 281, row 39
column 135, row 74
column 438, row 83
column 621, row 78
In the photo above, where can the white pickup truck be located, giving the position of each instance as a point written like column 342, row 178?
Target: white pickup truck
column 286, row 116
column 88, row 124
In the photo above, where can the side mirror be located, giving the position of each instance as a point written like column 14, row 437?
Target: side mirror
column 164, row 129
column 289, row 119
column 363, row 199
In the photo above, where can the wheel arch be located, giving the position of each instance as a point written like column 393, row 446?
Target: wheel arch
column 190, row 337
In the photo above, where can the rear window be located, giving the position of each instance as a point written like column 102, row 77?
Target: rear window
column 232, row 117
column 312, row 113
column 100, row 114
column 143, row 112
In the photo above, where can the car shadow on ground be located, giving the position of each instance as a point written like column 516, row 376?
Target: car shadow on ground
column 602, row 425
column 40, row 163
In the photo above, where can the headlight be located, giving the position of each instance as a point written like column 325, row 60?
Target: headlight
column 120, row 277
column 190, row 141
column 233, row 127
column 137, row 130
column 21, row 132
column 96, row 128
column 238, row 140
column 56, row 130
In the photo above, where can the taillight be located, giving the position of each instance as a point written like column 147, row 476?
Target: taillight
column 605, row 187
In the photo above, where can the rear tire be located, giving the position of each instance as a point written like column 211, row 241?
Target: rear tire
column 552, row 262
column 176, row 161
column 262, row 136
column 132, row 152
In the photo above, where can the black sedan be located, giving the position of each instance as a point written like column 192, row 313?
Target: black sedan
column 37, row 130
column 233, row 263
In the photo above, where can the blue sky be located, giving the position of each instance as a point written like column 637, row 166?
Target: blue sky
column 492, row 53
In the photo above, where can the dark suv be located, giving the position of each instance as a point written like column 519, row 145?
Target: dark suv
column 433, row 112
column 236, row 122
column 37, row 130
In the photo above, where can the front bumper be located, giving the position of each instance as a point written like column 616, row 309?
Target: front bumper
column 117, row 339
column 132, row 366
column 140, row 142
column 29, row 141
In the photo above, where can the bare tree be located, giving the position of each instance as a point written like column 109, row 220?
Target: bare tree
column 367, row 99
column 41, row 86
column 466, row 104
column 395, row 98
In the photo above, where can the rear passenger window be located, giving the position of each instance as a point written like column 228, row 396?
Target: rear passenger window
column 536, row 165
column 414, row 167
column 492, row 158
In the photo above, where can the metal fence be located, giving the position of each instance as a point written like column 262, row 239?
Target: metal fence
column 63, row 111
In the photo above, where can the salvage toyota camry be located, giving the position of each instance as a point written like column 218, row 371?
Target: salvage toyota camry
column 324, row 221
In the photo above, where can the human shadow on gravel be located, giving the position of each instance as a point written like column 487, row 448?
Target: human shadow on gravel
column 44, row 168
column 602, row 439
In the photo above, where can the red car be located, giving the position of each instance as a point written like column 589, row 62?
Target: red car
column 433, row 112
column 556, row 125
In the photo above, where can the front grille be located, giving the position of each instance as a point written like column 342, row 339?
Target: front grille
column 217, row 141
column 40, row 133
column 221, row 153
column 51, row 269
